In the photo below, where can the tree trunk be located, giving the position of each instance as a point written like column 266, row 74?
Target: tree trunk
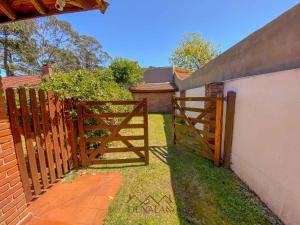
column 5, row 57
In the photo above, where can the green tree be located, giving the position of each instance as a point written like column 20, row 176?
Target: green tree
column 66, row 50
column 126, row 72
column 193, row 52
column 18, row 49
column 89, row 53
column 55, row 40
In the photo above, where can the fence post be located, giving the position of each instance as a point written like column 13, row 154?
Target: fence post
column 146, row 131
column 72, row 141
column 230, row 109
column 82, row 146
column 173, row 119
column 218, row 129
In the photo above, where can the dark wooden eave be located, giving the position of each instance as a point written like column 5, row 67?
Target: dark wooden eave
column 14, row 10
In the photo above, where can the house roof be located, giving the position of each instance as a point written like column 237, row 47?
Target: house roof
column 181, row 73
column 159, row 75
column 165, row 74
column 17, row 81
column 27, row 9
column 154, row 88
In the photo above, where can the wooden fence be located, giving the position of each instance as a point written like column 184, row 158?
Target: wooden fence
column 110, row 126
column 206, row 138
column 44, row 138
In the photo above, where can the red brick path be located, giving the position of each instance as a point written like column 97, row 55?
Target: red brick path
column 85, row 201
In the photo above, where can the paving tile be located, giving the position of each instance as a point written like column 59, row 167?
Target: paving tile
column 100, row 217
column 84, row 201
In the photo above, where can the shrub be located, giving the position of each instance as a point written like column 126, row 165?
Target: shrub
column 83, row 85
column 97, row 84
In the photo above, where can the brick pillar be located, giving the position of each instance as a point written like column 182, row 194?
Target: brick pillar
column 211, row 90
column 47, row 70
column 13, row 206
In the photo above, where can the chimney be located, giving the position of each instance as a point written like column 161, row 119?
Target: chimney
column 47, row 70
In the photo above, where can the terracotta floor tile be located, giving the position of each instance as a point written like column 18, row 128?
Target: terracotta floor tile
column 100, row 217
column 101, row 202
column 85, row 201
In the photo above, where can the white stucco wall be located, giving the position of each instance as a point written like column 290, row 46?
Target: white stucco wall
column 266, row 139
column 195, row 92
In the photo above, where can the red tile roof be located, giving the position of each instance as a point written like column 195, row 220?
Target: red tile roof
column 28, row 80
column 154, row 87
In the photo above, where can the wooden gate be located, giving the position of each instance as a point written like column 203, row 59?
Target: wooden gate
column 99, row 126
column 199, row 129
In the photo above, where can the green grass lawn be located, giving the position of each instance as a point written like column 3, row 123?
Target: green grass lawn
column 200, row 193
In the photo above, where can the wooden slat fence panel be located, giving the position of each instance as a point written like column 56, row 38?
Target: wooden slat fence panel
column 61, row 133
column 44, row 149
column 28, row 140
column 53, row 124
column 47, row 136
column 38, row 137
column 13, row 116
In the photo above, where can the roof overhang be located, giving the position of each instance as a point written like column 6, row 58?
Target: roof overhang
column 154, row 88
column 14, row 10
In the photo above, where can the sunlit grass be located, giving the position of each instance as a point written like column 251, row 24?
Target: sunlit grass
column 201, row 193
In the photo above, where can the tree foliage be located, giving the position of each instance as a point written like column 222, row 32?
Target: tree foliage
column 17, row 48
column 26, row 46
column 193, row 52
column 126, row 72
column 95, row 84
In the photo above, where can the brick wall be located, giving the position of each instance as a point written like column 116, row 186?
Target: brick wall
column 13, row 206
column 157, row 102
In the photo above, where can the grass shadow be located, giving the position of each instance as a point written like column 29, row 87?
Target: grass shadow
column 205, row 194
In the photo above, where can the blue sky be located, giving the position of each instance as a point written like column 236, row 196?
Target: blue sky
column 148, row 30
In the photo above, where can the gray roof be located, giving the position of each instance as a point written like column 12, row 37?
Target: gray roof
column 159, row 75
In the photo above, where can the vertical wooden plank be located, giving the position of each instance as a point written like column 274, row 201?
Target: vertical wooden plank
column 182, row 94
column 12, row 110
column 56, row 147
column 47, row 138
column 73, row 142
column 218, row 129
column 82, row 146
column 61, row 133
column 28, row 140
column 230, row 110
column 174, row 119
column 66, row 118
column 146, row 140
column 38, row 138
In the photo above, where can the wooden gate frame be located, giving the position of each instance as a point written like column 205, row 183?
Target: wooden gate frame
column 203, row 137
column 140, row 109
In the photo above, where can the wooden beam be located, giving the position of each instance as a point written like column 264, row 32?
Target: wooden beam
column 80, row 3
column 7, row 10
column 38, row 6
column 102, row 5
column 230, row 109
